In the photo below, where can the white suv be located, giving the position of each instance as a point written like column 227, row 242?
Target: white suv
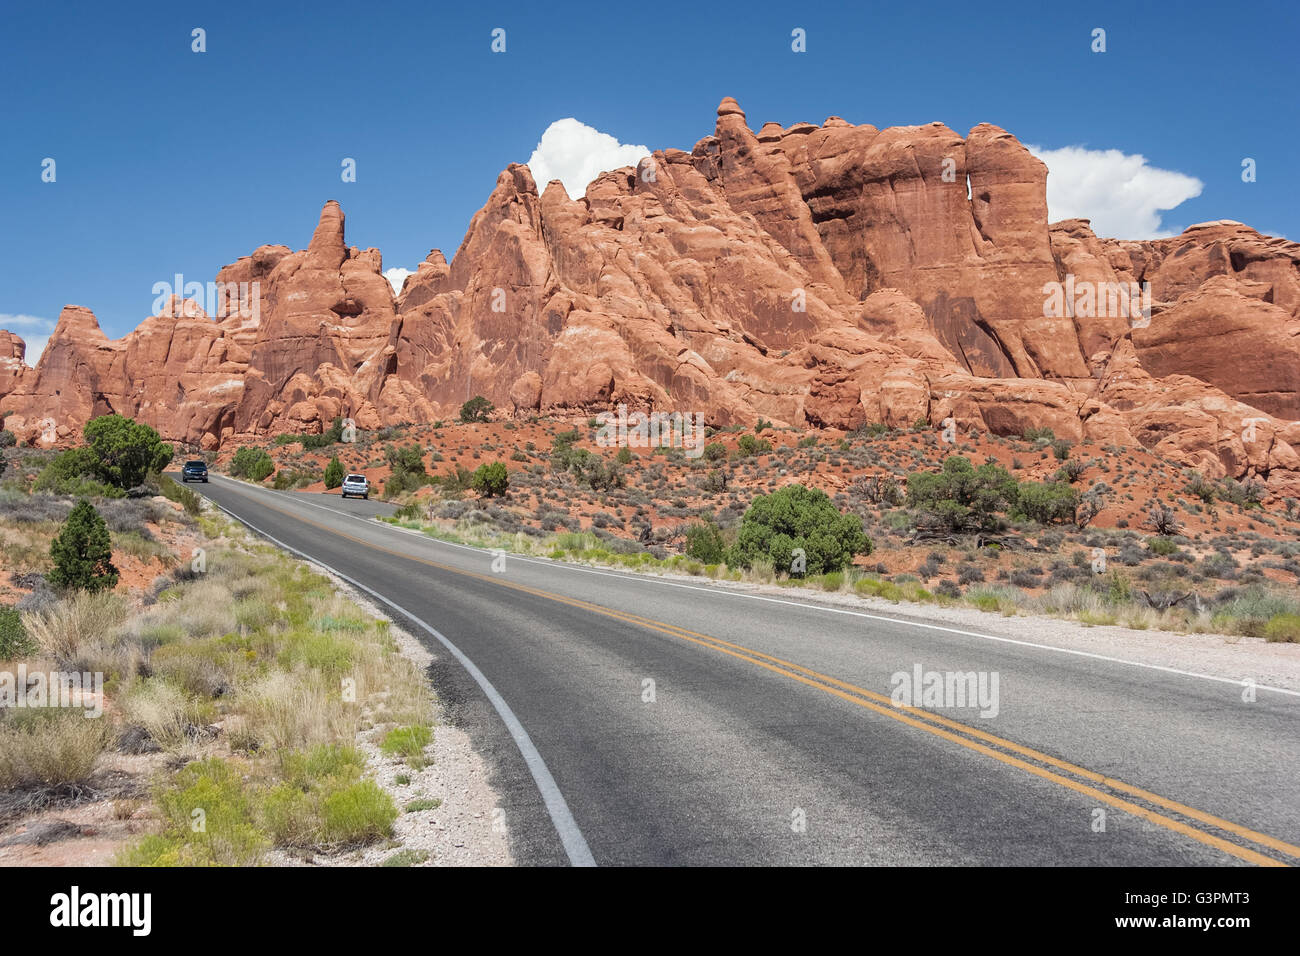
column 358, row 485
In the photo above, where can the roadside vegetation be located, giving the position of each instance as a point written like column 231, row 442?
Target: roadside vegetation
column 240, row 691
column 1017, row 533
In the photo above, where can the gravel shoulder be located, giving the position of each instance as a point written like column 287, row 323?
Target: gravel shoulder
column 467, row 827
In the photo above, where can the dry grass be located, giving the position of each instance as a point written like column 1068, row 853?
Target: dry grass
column 50, row 747
column 80, row 631
column 162, row 709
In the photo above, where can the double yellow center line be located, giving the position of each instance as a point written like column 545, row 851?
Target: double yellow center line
column 1096, row 786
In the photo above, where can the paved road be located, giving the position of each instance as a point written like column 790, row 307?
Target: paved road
column 768, row 735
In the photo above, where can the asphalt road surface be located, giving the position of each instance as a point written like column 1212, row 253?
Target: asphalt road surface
column 634, row 720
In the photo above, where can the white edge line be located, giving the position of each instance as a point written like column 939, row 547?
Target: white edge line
column 575, row 845
column 727, row 592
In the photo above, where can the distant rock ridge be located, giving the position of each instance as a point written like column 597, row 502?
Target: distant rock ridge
column 819, row 276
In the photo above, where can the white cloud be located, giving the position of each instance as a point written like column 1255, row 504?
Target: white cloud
column 396, row 276
column 32, row 329
column 1120, row 193
column 575, row 154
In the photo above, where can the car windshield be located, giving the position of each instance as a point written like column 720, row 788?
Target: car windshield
column 194, row 464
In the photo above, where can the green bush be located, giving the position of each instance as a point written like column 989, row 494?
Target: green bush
column 961, row 497
column 1161, row 546
column 1047, row 502
column 798, row 517
column 331, row 436
column 15, row 642
column 209, row 818
column 1280, row 627
column 73, row 472
column 715, row 451
column 83, row 552
column 124, row 451
column 598, row 474
column 358, row 813
column 7, row 438
column 747, row 446
column 172, row 491
column 408, row 742
column 704, row 543
column 334, row 473
column 251, row 463
column 491, row 480
column 477, row 409
column 407, row 466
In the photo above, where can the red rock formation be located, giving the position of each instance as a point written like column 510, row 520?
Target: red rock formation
column 823, row 276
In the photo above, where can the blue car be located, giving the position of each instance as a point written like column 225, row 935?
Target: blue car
column 195, row 471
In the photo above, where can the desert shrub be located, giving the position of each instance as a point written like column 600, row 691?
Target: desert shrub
column 624, row 456
column 68, row 630
column 1161, row 546
column 1061, row 449
column 948, row 589
column 83, row 552
column 406, row 463
column 15, row 642
column 878, row 489
column 1162, row 519
column 961, row 497
column 1200, row 487
column 477, row 409
column 715, row 451
column 212, row 791
column 72, row 472
column 491, row 480
column 293, row 478
column 360, row 812
column 600, row 475
column 49, row 747
column 1246, row 494
column 330, row 436
column 714, row 481
column 405, row 458
column 1071, row 470
column 124, row 451
column 704, row 543
column 251, row 463
column 747, row 446
column 1283, row 627
column 334, row 473
column 798, row 517
column 408, row 743
column 1047, row 502
column 183, row 496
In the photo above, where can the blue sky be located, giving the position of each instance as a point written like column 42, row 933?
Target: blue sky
column 173, row 161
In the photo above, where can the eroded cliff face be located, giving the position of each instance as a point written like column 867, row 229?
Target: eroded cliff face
column 817, row 275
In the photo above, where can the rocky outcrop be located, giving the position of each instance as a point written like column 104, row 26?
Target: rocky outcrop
column 813, row 275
